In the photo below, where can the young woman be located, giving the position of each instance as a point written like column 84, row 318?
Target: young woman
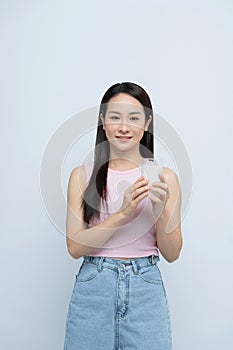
column 119, row 224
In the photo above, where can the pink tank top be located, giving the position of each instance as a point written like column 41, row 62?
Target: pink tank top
column 137, row 236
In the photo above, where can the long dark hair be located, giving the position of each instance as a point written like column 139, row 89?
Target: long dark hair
column 96, row 189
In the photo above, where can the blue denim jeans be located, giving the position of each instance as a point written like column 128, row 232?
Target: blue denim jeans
column 118, row 305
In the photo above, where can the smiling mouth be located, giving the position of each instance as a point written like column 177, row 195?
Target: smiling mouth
column 124, row 137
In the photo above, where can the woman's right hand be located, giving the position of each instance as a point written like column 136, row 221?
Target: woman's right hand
column 133, row 196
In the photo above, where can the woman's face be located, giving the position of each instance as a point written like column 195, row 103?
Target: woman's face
column 124, row 122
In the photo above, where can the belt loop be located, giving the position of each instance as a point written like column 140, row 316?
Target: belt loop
column 99, row 267
column 134, row 267
column 151, row 259
column 155, row 259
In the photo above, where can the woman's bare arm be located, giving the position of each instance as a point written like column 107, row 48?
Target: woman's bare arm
column 169, row 238
column 80, row 239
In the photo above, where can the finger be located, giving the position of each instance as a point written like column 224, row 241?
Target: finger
column 154, row 199
column 139, row 179
column 162, row 177
column 137, row 200
column 139, row 191
column 162, row 193
column 139, row 184
column 159, row 190
column 160, row 184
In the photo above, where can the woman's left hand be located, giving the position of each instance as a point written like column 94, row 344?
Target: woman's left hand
column 159, row 194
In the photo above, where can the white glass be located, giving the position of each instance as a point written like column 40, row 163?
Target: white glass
column 151, row 167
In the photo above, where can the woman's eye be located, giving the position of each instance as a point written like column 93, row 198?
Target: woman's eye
column 114, row 117
column 134, row 118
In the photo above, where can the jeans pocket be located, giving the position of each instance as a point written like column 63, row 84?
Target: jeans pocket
column 150, row 274
column 87, row 272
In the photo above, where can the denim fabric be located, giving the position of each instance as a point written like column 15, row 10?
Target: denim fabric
column 118, row 305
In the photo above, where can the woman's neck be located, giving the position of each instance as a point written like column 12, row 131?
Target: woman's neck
column 125, row 163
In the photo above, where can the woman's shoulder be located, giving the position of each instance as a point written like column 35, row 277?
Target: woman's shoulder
column 82, row 167
column 168, row 171
column 77, row 170
column 170, row 175
column 77, row 176
column 82, row 171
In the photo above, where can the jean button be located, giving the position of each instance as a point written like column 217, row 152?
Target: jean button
column 122, row 265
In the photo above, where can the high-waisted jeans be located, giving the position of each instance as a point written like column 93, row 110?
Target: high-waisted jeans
column 118, row 305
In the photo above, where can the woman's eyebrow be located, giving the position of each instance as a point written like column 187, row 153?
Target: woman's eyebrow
column 115, row 112
column 135, row 113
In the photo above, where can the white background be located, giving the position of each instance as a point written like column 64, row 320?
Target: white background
column 58, row 58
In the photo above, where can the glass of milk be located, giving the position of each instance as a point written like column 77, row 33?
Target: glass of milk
column 151, row 167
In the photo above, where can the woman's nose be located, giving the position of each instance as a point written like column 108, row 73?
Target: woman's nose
column 124, row 127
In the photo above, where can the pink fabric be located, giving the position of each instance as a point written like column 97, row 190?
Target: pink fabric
column 137, row 237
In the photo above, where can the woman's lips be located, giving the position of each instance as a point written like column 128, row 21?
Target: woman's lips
column 123, row 138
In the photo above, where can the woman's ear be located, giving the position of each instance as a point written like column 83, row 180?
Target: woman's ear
column 102, row 119
column 147, row 123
